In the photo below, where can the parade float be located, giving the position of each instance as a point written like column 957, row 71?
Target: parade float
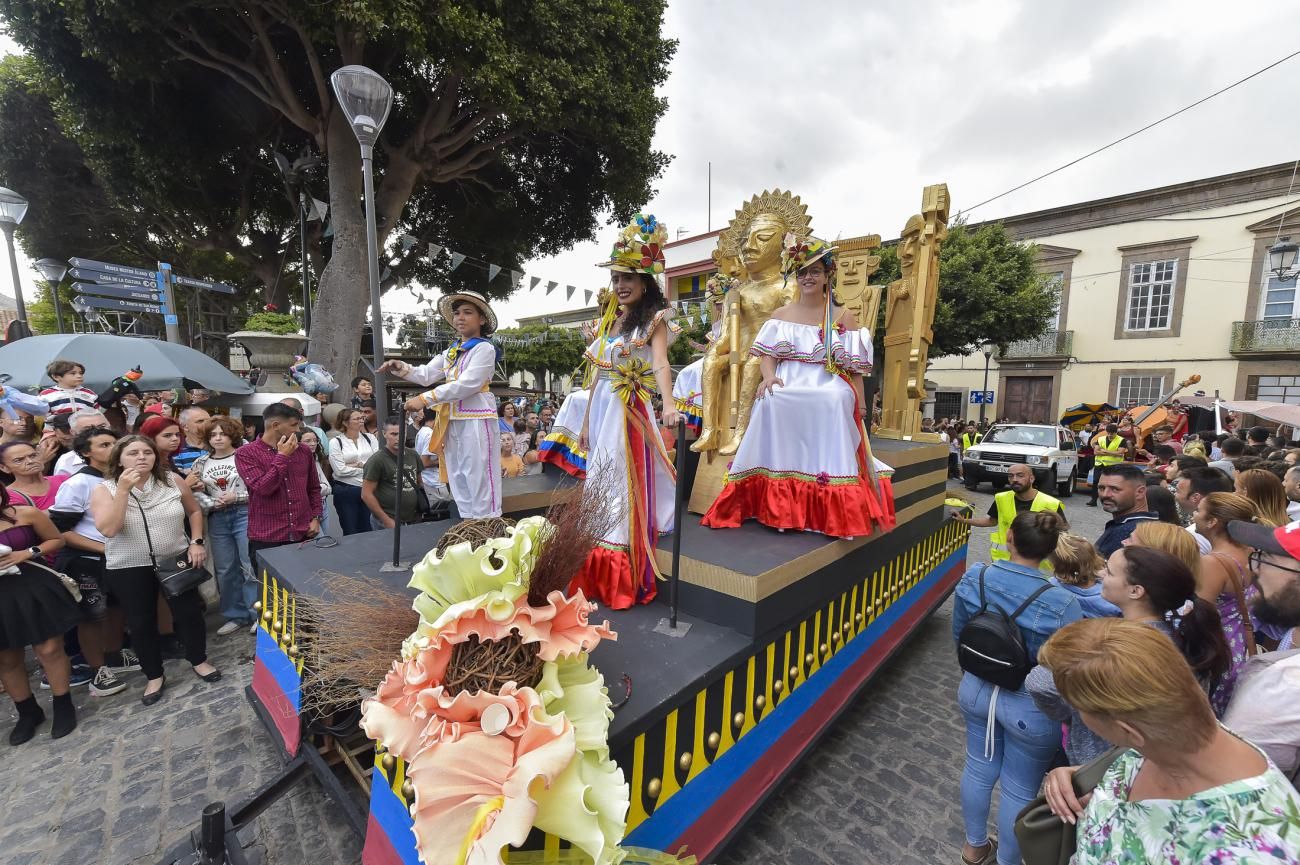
column 663, row 740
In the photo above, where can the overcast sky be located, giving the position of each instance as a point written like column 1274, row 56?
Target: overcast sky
column 856, row 107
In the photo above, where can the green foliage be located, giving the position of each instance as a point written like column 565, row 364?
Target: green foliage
column 273, row 322
column 411, row 333
column 682, row 352
column 989, row 290
column 559, row 351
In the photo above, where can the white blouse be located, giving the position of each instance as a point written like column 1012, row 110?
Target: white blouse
column 348, row 457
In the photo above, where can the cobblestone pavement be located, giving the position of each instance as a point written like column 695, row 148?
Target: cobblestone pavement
column 131, row 781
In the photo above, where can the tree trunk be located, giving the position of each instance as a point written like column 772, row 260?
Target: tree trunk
column 343, row 294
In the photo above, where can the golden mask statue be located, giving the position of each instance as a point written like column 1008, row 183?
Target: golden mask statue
column 909, row 318
column 750, row 246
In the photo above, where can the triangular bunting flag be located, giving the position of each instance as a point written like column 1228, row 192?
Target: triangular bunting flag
column 704, row 318
column 434, row 251
column 570, row 290
column 551, row 286
column 493, row 270
column 456, row 259
column 318, row 209
column 533, row 282
column 407, row 241
column 516, row 276
column 586, row 294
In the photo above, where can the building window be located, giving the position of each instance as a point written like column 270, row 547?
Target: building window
column 1273, row 388
column 1151, row 294
column 1279, row 298
column 1056, row 282
column 949, row 404
column 1139, row 390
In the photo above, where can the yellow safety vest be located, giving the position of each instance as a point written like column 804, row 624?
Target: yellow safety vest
column 1114, row 443
column 967, row 442
column 1006, row 502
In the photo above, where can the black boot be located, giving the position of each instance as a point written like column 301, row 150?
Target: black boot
column 30, row 717
column 65, row 717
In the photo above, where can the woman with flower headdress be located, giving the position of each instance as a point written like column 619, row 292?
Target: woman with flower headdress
column 687, row 393
column 560, row 445
column 626, row 458
column 806, row 463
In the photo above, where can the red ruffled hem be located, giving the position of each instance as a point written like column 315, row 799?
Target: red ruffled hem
column 838, row 510
column 606, row 576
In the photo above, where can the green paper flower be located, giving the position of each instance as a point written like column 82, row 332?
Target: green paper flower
column 587, row 806
column 576, row 690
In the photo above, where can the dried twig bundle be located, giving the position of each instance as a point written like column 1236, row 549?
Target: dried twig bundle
column 477, row 531
column 351, row 639
column 580, row 516
column 476, row 666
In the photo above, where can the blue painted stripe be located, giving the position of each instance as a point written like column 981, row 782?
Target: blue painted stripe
column 671, row 820
column 281, row 668
column 390, row 814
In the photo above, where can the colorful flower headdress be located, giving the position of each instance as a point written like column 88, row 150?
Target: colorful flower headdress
column 640, row 247
column 799, row 253
column 718, row 286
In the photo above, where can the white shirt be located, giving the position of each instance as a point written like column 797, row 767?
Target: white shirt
column 69, row 464
column 465, row 380
column 428, row 477
column 1265, row 706
column 73, row 497
column 348, row 458
column 1293, row 510
column 1202, row 542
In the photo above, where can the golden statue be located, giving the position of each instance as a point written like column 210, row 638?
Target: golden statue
column 855, row 263
column 909, row 318
column 753, row 240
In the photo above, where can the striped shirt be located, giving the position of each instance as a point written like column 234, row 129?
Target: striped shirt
column 63, row 400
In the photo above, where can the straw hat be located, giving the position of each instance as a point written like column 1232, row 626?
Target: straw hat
column 446, row 302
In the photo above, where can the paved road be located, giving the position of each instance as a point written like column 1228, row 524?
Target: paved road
column 131, row 780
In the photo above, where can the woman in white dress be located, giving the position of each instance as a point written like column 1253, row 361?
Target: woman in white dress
column 805, row 462
column 626, row 458
column 560, row 447
column 687, row 393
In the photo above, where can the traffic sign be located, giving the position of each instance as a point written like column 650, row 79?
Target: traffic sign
column 82, row 301
column 108, row 267
column 111, row 278
column 981, row 397
column 125, row 292
column 204, row 283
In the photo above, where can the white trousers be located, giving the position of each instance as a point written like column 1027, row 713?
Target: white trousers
column 473, row 455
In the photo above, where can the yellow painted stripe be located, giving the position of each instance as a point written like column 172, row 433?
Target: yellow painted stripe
column 699, row 757
column 669, row 782
column 727, row 712
column 636, row 812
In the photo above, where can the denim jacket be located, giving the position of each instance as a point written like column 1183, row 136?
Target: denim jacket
column 1006, row 585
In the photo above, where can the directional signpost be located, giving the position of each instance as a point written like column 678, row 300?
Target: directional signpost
column 121, row 288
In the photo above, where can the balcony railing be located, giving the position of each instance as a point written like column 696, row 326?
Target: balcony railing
column 1270, row 336
column 1051, row 343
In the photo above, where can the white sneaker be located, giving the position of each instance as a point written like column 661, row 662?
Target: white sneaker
column 228, row 628
column 252, row 629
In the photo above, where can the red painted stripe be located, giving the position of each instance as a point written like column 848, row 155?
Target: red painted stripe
column 278, row 706
column 715, row 825
column 378, row 850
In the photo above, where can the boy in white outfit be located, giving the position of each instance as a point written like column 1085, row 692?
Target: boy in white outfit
column 467, row 409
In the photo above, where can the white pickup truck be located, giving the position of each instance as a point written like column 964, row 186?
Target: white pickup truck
column 1048, row 450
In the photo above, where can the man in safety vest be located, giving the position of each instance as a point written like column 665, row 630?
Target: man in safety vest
column 1108, row 449
column 969, row 438
column 1007, row 504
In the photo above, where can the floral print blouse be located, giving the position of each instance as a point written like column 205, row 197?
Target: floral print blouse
column 1248, row 822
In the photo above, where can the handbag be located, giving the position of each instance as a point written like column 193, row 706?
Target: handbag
column 1046, row 839
column 175, row 578
column 66, row 581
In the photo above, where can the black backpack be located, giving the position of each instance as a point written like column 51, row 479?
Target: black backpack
column 991, row 646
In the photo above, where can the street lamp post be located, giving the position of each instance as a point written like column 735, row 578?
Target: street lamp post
column 13, row 207
column 1281, row 259
column 988, row 348
column 366, row 99
column 53, row 271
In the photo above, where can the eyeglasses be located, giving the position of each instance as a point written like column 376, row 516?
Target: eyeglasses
column 1257, row 557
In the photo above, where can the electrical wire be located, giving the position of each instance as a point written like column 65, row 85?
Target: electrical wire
column 1137, row 132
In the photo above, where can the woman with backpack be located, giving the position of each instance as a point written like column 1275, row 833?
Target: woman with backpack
column 1002, row 613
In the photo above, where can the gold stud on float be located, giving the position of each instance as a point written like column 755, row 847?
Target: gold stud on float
column 847, row 628
column 713, row 741
column 653, row 787
column 809, row 658
column 738, row 720
column 684, row 761
column 794, row 673
column 823, row 648
column 293, row 650
column 257, row 606
column 835, row 637
column 267, row 617
column 277, row 626
column 408, row 789
column 760, row 701
column 390, row 762
column 778, row 686
column 857, row 618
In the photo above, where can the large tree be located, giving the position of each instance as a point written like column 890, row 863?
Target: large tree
column 538, row 350
column 515, row 124
column 990, row 289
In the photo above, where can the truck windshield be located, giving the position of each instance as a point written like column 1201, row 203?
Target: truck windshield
column 1021, row 435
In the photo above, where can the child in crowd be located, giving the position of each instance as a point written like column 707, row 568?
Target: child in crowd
column 67, row 395
column 362, row 390
column 1076, row 565
column 512, row 465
